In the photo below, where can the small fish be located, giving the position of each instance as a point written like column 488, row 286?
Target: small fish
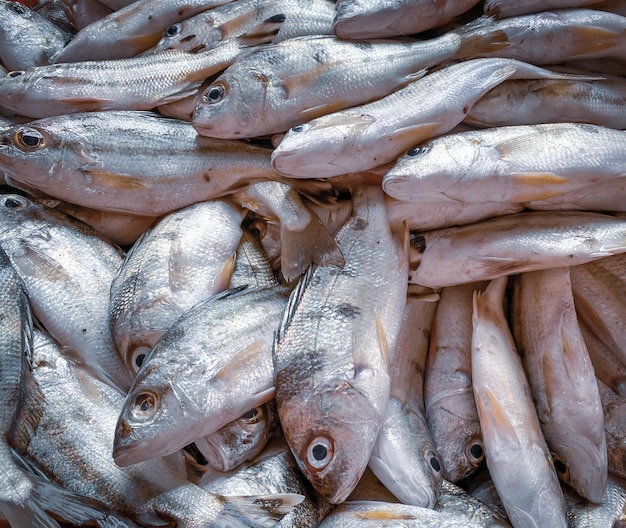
column 448, row 397
column 356, row 19
column 561, row 378
column 515, row 243
column 511, row 430
column 332, row 351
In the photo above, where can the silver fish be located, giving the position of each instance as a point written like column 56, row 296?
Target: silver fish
column 161, row 165
column 332, row 351
column 211, row 367
column 511, row 430
column 561, row 378
column 68, row 272
column 297, row 80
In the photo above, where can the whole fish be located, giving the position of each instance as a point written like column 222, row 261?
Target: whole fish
column 448, row 398
column 135, row 83
column 514, row 243
column 514, row 164
column 73, row 446
column 404, row 457
column 27, row 38
column 241, row 440
column 184, row 259
column 511, row 431
column 131, row 30
column 357, row 19
column 528, row 102
column 561, row 378
column 211, row 367
column 508, row 8
column 304, row 240
column 332, row 351
column 67, row 270
column 285, row 84
column 26, row 498
column 273, row 471
column 160, row 165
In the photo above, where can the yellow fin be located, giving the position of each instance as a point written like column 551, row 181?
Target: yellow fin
column 384, row 515
column 589, row 39
column 114, row 180
column 87, row 104
column 494, row 421
column 383, row 342
column 535, row 186
column 142, row 42
column 481, row 38
column 317, row 111
column 222, row 280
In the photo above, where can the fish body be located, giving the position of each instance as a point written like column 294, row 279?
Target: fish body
column 358, row 19
column 160, row 165
column 187, row 257
column 454, row 500
column 514, row 164
column 508, row 8
column 67, row 270
column 511, row 430
column 211, row 367
column 291, row 82
column 332, row 348
column 513, row 244
column 561, row 378
column 448, row 397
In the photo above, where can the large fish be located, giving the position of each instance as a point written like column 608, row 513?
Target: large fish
column 511, row 430
column 297, row 80
column 561, row 378
column 130, row 162
column 332, row 351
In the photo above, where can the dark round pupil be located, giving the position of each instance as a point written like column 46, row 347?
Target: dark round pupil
column 12, row 203
column 144, row 405
column 298, row 128
column 319, row 452
column 416, row 150
column 250, row 415
column 215, row 93
column 172, row 30
column 17, row 7
column 476, row 451
column 30, row 141
column 435, row 464
column 15, row 73
column 560, row 466
column 139, row 359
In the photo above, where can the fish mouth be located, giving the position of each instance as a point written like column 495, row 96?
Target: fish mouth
column 215, row 456
column 343, row 494
column 128, row 455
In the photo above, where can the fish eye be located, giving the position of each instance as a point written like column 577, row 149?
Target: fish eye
column 15, row 73
column 138, row 357
column 475, row 452
column 214, row 94
column 16, row 7
column 14, row 202
column 145, row 406
column 433, row 461
column 319, row 453
column 253, row 417
column 561, row 467
column 28, row 139
column 172, row 30
column 298, row 128
column 417, row 151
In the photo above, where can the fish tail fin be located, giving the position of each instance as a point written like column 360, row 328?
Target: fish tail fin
column 312, row 245
column 488, row 305
column 480, row 37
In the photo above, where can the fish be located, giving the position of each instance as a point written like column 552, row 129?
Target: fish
column 28, row 38
column 512, row 244
column 213, row 365
column 184, row 259
column 454, row 500
column 448, row 397
column 73, row 446
column 129, row 30
column 404, row 457
column 252, row 265
column 67, row 270
column 160, row 166
column 356, row 19
column 515, row 164
column 561, row 378
column 511, row 430
column 81, row 13
column 135, row 83
column 331, row 351
column 294, row 81
column 528, row 102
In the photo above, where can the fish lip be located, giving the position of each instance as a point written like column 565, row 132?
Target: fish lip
column 214, row 455
column 343, row 494
column 127, row 455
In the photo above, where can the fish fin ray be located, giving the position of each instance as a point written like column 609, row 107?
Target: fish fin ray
column 89, row 104
column 292, row 304
column 316, row 111
column 498, row 424
column 248, row 356
column 496, row 266
column 593, row 38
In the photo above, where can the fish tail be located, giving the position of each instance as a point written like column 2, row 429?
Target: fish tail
column 488, row 305
column 480, row 37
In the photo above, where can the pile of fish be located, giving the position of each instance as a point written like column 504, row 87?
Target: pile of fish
column 313, row 263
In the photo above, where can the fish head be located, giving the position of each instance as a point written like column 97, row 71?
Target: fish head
column 14, row 86
column 231, row 106
column 332, row 441
column 156, row 419
column 240, row 440
column 314, row 149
